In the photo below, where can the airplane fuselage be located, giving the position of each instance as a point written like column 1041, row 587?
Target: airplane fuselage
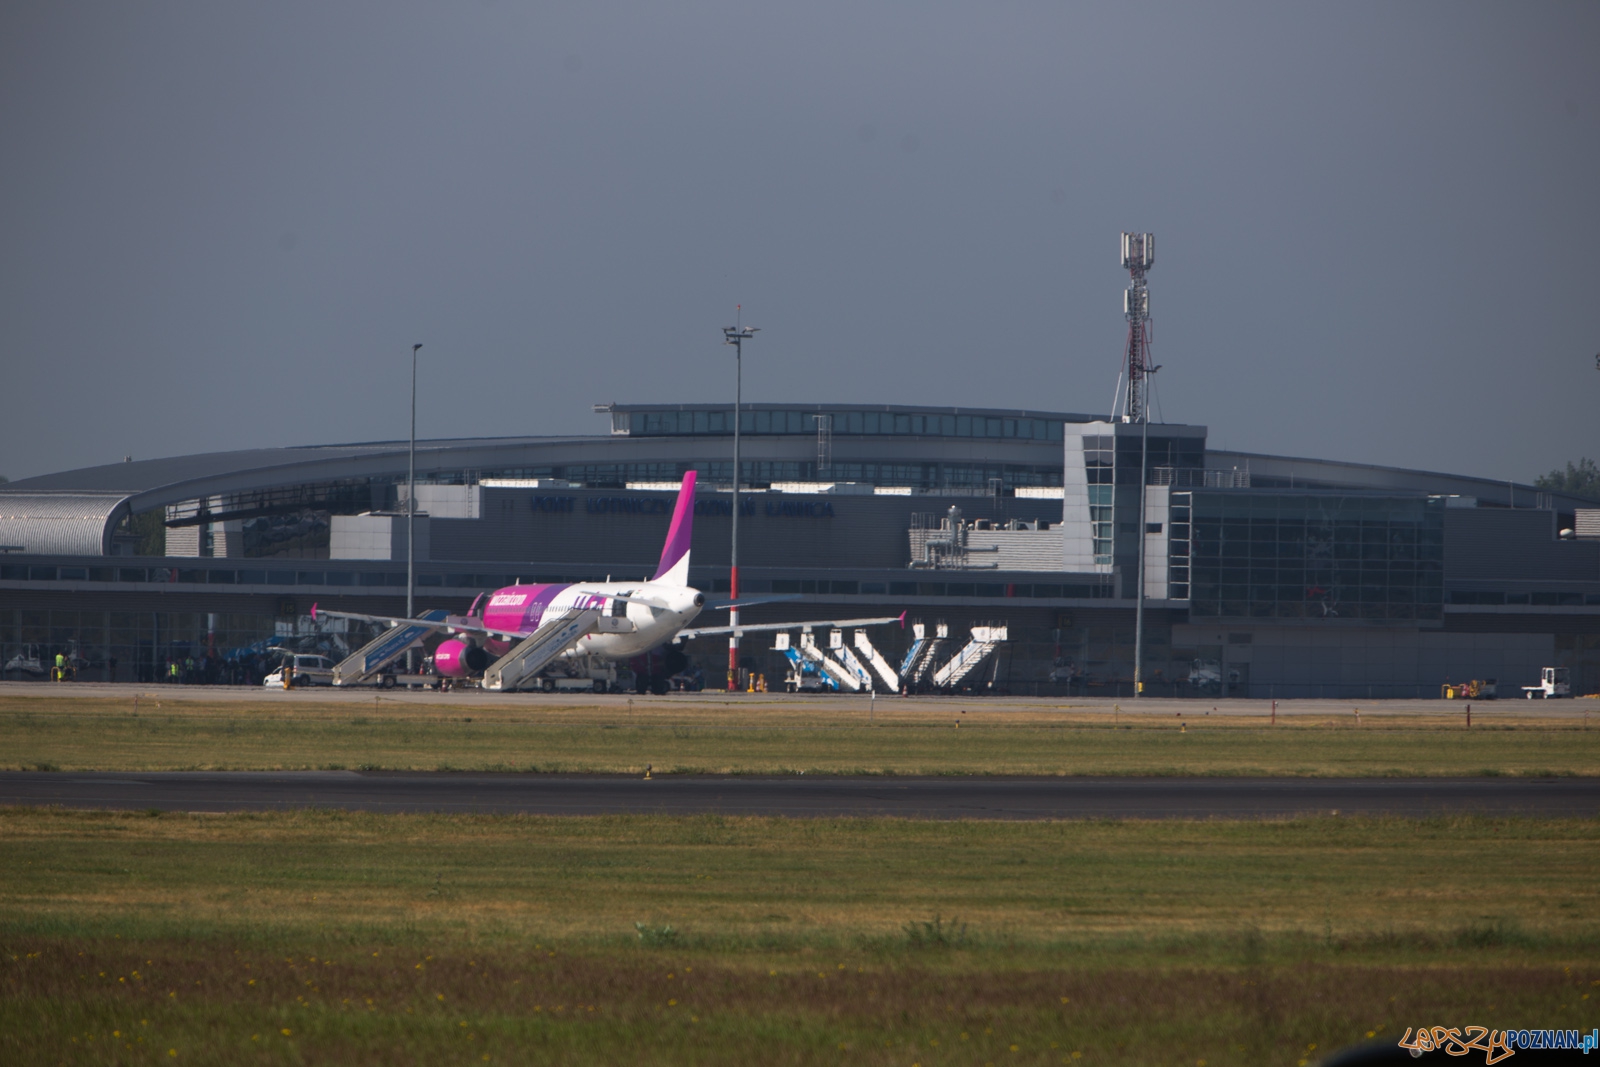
column 523, row 608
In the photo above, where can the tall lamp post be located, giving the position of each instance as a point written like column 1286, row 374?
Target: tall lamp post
column 736, row 336
column 1144, row 531
column 1138, row 256
column 411, row 513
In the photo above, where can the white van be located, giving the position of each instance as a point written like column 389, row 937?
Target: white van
column 308, row 670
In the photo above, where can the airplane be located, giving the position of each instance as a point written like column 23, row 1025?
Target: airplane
column 635, row 616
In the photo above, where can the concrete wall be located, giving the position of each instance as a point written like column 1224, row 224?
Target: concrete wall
column 377, row 536
column 1077, row 535
column 445, row 501
column 183, row 541
column 1157, row 512
column 1484, row 544
column 625, row 528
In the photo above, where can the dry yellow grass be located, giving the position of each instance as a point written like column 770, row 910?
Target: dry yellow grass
column 775, row 735
column 329, row 937
column 744, row 879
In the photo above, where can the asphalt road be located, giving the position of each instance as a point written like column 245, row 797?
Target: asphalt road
column 804, row 796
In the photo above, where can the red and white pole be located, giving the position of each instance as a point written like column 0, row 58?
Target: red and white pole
column 733, row 620
column 735, row 335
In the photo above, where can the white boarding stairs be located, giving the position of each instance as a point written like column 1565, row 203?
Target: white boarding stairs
column 835, row 670
column 924, row 653
column 875, row 659
column 984, row 641
column 837, row 646
column 372, row 657
column 539, row 649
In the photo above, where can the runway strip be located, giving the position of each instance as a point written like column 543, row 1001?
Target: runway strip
column 805, row 796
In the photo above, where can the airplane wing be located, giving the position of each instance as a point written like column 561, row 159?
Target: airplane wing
column 745, row 602
column 807, row 624
column 455, row 624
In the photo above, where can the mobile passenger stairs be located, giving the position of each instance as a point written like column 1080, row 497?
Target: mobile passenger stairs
column 540, row 661
column 372, row 663
column 928, row 666
column 965, row 663
column 531, row 663
column 923, row 653
column 836, row 668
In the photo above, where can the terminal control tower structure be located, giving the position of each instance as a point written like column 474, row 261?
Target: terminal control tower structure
column 1138, row 256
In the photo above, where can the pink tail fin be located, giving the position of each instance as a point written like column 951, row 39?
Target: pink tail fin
column 674, row 566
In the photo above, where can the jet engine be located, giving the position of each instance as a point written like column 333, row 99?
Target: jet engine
column 456, row 658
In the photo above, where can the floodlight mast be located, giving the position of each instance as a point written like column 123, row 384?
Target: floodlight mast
column 411, row 513
column 1138, row 256
column 736, row 336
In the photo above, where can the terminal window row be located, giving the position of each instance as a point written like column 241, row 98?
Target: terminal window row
column 477, row 580
column 1037, row 590
column 281, row 577
column 655, row 423
column 757, row 473
column 1540, row 599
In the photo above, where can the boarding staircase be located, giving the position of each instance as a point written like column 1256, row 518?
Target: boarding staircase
column 539, row 649
column 804, row 667
column 375, row 656
column 845, row 678
column 985, row 639
column 875, row 659
column 923, row 653
column 836, row 645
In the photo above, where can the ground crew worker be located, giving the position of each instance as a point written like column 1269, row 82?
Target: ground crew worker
column 61, row 666
column 172, row 671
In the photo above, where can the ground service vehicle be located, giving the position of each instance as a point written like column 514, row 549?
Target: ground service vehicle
column 1554, row 682
column 1477, row 689
column 308, row 670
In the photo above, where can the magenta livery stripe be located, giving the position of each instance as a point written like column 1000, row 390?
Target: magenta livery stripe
column 518, row 608
column 681, row 530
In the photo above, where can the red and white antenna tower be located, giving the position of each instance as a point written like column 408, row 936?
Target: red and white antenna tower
column 1138, row 256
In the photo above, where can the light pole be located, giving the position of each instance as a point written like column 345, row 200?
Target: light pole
column 411, row 513
column 1144, row 495
column 736, row 336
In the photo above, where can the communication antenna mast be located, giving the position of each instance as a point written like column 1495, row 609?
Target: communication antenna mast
column 1138, row 256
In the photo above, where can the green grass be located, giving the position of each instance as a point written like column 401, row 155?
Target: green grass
column 190, row 734
column 375, row 938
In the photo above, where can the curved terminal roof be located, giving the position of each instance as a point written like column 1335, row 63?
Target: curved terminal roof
column 73, row 511
column 60, row 523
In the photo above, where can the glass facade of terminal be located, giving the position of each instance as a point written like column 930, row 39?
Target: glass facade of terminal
column 762, row 473
column 902, row 423
column 1289, row 555
column 1110, row 461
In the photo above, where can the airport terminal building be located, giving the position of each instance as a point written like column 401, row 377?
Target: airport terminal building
column 1264, row 576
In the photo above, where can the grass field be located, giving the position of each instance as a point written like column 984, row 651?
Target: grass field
column 163, row 732
column 333, row 937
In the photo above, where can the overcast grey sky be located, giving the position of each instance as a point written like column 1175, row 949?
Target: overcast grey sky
column 225, row 224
